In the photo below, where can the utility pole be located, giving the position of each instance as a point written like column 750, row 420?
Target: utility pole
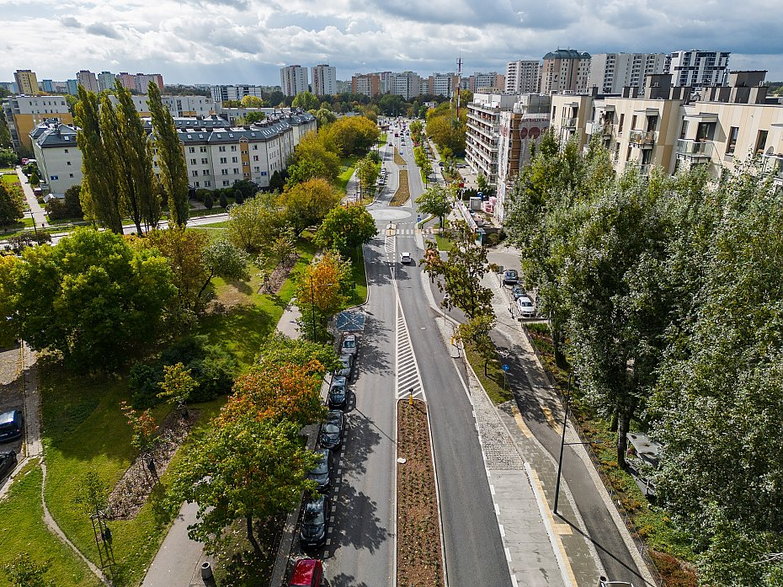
column 459, row 81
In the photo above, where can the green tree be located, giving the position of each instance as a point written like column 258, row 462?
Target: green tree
column 253, row 117
column 280, row 350
column 11, row 204
column 324, row 116
column 256, row 223
column 368, row 170
column 170, row 159
column 446, row 130
column 7, row 157
column 306, row 204
column 459, row 276
column 417, row 131
column 353, row 135
column 223, row 259
column 436, row 201
column 345, row 228
column 251, row 102
column 313, row 157
column 177, row 385
column 476, row 333
column 305, row 101
column 243, row 469
column 77, row 297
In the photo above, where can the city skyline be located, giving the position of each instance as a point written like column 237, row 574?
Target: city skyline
column 247, row 42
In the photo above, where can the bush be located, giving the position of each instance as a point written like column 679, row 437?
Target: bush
column 143, row 381
column 208, row 202
column 223, row 199
column 202, row 193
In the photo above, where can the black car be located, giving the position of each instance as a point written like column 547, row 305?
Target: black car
column 510, row 277
column 338, row 392
column 322, row 473
column 10, row 425
column 314, row 517
column 346, row 368
column 7, row 463
column 332, row 430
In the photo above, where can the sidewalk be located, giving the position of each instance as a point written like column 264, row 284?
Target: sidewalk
column 39, row 216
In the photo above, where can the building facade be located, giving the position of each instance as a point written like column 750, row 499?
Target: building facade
column 24, row 113
column 406, row 84
column 483, row 132
column 59, row 159
column 26, row 82
column 442, row 84
column 611, row 72
column 483, row 81
column 698, row 69
column 293, row 80
column 106, row 80
column 565, row 70
column 324, row 80
column 87, row 80
column 367, row 84
column 522, row 77
column 234, row 92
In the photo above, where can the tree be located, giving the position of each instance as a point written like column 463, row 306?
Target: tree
column 243, row 469
column 256, row 223
column 345, row 228
column 223, row 259
column 324, row 116
column 209, row 203
column 280, row 350
column 223, row 200
column 476, row 333
column 252, row 118
column 306, row 204
column 446, row 130
column 321, row 291
column 417, row 130
column 460, row 275
column 435, row 201
column 7, row 285
column 313, row 157
column 143, row 439
column 170, row 159
column 251, row 102
column 69, row 207
column 305, row 101
column 91, row 296
column 177, row 386
column 353, row 135
column 8, row 158
column 11, row 204
column 368, row 170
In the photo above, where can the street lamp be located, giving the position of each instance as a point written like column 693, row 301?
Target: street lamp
column 562, row 443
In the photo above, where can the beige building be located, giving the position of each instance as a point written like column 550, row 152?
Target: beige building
column 483, row 132
column 24, row 113
column 523, row 77
column 368, row 84
column 88, row 81
column 26, row 82
column 565, row 70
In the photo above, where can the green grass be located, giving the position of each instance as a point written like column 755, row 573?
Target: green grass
column 22, row 529
column 205, row 212
column 494, row 381
column 359, row 277
column 348, row 166
column 444, row 244
column 10, row 179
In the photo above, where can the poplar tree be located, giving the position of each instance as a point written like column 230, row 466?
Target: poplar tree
column 99, row 198
column 171, row 159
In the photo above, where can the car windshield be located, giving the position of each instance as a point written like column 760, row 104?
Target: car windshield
column 322, row 467
column 331, row 429
column 349, row 344
column 346, row 362
column 314, row 514
column 524, row 303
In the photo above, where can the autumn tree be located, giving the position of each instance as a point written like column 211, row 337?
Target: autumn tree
column 322, row 289
column 367, row 171
column 306, row 204
column 170, row 159
column 143, row 438
column 256, row 223
column 177, row 386
column 11, row 204
column 313, row 157
column 353, row 135
column 345, row 228
column 251, row 102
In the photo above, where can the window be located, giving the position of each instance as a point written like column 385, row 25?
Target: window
column 222, row 148
column 205, row 172
column 224, row 172
column 255, row 157
column 197, row 184
column 191, row 149
column 633, row 122
column 207, row 184
column 255, row 147
column 761, row 141
column 233, row 147
column 223, row 160
column 66, row 150
column 263, row 173
column 54, row 177
column 622, row 120
column 236, row 169
column 194, row 173
column 731, row 144
column 257, row 168
column 204, row 161
column 192, row 161
column 67, row 162
column 234, row 159
column 202, row 149
column 226, row 182
column 705, row 132
column 684, row 129
column 245, row 163
column 70, row 174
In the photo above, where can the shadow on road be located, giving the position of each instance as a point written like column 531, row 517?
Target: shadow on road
column 364, row 435
column 343, row 580
column 360, row 525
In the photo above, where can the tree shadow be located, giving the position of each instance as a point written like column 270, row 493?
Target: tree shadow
column 343, row 580
column 359, row 526
column 363, row 436
column 372, row 358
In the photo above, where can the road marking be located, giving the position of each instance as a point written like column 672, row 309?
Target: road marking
column 521, row 425
column 502, row 530
column 549, row 417
column 508, row 554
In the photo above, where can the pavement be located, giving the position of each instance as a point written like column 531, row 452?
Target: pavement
column 39, row 215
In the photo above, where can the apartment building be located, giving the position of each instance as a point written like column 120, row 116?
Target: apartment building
column 324, row 80
column 523, row 77
column 24, row 113
column 367, row 84
column 26, row 82
column 293, row 80
column 234, row 92
column 59, row 159
column 565, row 70
column 611, row 72
column 87, row 80
column 483, row 132
column 406, row 84
column 483, row 81
column 106, row 80
column 139, row 82
column 698, row 69
column 441, row 84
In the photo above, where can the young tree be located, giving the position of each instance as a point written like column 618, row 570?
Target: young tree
column 368, row 170
column 243, row 468
column 306, row 204
column 476, row 333
column 459, row 276
column 23, row 571
column 11, row 204
column 345, row 228
column 321, row 291
column 223, row 259
column 305, row 101
column 170, row 159
column 144, row 438
column 436, row 201
column 256, row 223
column 177, row 386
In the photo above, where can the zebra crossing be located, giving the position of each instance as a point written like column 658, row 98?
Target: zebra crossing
column 407, row 375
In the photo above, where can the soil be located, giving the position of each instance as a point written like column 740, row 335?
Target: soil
column 402, row 194
column 276, row 279
column 419, row 559
column 135, row 486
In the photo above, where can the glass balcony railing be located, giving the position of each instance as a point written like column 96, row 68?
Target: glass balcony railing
column 773, row 164
column 643, row 138
column 695, row 149
column 568, row 123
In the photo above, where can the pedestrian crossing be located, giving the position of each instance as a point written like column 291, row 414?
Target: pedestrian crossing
column 412, row 231
column 408, row 377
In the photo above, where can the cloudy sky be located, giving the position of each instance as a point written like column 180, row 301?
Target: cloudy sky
column 247, row 41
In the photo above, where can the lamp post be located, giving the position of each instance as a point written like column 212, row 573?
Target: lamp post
column 562, row 443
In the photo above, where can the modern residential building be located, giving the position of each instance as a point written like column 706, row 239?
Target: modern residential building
column 59, row 159
column 324, row 80
column 293, row 80
column 367, row 84
column 441, row 84
column 523, row 77
column 26, row 82
column 234, row 92
column 483, row 132
column 24, row 113
column 611, row 72
column 483, row 81
column 73, row 86
column 698, row 69
column 87, row 80
column 47, row 86
column 406, row 84
column 106, row 80
column 128, row 80
column 10, row 87
column 142, row 81
column 565, row 70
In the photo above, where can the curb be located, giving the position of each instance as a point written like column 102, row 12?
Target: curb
column 437, row 498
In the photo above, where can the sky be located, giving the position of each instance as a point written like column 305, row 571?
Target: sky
column 247, row 41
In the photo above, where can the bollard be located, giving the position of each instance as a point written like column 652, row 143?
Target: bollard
column 206, row 574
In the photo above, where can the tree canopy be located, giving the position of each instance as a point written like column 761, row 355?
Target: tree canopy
column 345, row 228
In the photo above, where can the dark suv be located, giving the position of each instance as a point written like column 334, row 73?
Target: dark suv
column 10, row 425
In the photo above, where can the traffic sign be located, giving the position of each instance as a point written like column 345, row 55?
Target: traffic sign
column 506, row 368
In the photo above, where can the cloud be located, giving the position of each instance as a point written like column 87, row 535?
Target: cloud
column 70, row 22
column 102, row 30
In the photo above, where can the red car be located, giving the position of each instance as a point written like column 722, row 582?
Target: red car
column 307, row 573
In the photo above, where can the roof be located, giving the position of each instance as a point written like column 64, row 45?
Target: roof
column 54, row 134
column 567, row 54
column 7, row 417
column 303, row 572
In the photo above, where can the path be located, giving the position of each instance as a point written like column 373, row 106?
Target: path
column 39, row 215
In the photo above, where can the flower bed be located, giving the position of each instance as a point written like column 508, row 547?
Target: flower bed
column 419, row 560
column 403, row 193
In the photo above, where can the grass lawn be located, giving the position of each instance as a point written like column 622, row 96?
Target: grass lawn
column 359, row 293
column 22, row 529
column 444, row 244
column 494, row 381
column 205, row 212
column 11, row 178
column 348, row 166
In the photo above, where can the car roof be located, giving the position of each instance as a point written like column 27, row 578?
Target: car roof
column 303, row 571
column 8, row 417
column 406, row 253
column 523, row 299
column 338, row 380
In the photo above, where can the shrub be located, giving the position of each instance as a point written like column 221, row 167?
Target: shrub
column 223, row 199
column 208, row 202
column 202, row 193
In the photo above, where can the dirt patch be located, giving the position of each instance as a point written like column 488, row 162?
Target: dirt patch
column 419, row 559
column 275, row 280
column 398, row 158
column 135, row 486
column 403, row 193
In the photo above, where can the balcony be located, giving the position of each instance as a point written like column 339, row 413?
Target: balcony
column 568, row 123
column 692, row 149
column 644, row 139
column 773, row 164
column 599, row 128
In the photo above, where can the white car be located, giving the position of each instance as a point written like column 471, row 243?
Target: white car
column 405, row 258
column 350, row 345
column 526, row 307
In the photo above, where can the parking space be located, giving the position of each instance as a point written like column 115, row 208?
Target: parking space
column 11, row 396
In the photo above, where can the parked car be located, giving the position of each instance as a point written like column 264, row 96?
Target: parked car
column 346, row 368
column 308, row 572
column 7, row 462
column 338, row 392
column 406, row 258
column 518, row 291
column 526, row 307
column 350, row 345
column 322, row 472
column 11, row 425
column 313, row 530
column 510, row 277
column 332, row 430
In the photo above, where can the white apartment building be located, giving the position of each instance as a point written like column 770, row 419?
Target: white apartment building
column 611, row 72
column 482, row 81
column 406, row 84
column 234, row 92
column 59, row 159
column 565, row 70
column 324, row 80
column 522, row 77
column 442, row 84
column 24, row 113
column 106, row 80
column 698, row 69
column 293, row 80
column 88, row 81
column 483, row 132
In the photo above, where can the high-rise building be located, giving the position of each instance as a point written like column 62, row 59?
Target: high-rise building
column 106, row 80
column 522, row 77
column 47, row 86
column 442, row 84
column 235, row 92
column 324, row 80
column 88, row 80
column 611, row 72
column 73, row 86
column 26, row 82
column 127, row 80
column 293, row 80
column 142, row 81
column 24, row 112
column 565, row 70
column 698, row 69
column 367, row 84
column 406, row 84
column 479, row 81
